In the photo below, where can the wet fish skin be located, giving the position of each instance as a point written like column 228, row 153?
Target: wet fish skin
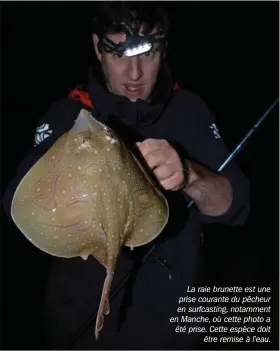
column 89, row 195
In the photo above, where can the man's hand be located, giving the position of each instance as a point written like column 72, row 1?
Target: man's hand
column 164, row 161
column 211, row 192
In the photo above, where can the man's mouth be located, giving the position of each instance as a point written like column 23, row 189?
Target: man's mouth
column 133, row 89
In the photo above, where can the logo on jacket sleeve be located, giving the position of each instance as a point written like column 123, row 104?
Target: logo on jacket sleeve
column 42, row 133
column 215, row 131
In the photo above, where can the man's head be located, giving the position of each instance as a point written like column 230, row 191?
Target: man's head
column 130, row 68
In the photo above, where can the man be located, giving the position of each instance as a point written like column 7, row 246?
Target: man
column 176, row 135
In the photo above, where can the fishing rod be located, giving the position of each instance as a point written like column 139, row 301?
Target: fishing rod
column 242, row 143
column 236, row 151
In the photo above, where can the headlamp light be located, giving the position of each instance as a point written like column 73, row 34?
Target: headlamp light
column 137, row 50
column 134, row 44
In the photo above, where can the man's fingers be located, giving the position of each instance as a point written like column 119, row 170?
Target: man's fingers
column 149, row 145
column 164, row 161
column 155, row 158
column 163, row 172
column 173, row 182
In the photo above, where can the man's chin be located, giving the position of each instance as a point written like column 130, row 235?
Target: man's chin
column 133, row 99
column 143, row 97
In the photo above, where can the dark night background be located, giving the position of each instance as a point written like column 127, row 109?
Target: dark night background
column 226, row 52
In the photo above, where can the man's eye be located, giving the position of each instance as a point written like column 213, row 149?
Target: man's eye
column 149, row 53
column 118, row 54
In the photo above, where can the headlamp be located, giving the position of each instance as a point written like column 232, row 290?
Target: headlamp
column 134, row 44
column 137, row 50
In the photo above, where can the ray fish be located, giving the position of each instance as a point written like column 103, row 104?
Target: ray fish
column 89, row 195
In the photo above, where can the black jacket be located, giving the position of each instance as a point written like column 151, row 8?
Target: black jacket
column 141, row 310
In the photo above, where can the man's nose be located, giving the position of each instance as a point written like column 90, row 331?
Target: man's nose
column 134, row 70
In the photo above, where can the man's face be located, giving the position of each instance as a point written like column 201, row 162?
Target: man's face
column 132, row 77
